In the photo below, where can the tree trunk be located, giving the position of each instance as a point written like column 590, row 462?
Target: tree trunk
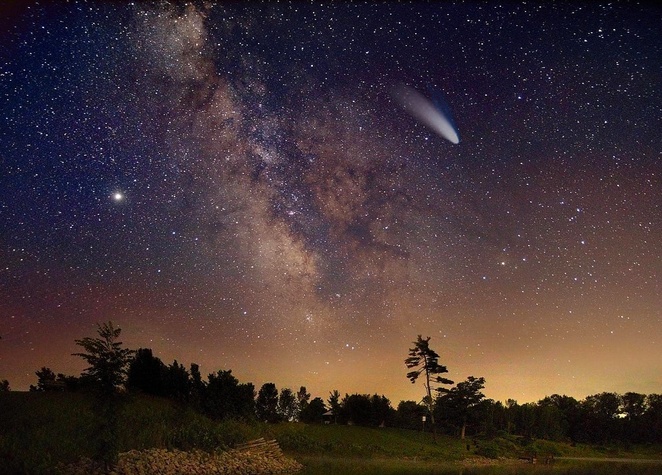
column 427, row 387
column 464, row 429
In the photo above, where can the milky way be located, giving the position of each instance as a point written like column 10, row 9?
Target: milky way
column 237, row 187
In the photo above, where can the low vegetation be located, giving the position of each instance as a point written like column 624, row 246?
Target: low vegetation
column 39, row 431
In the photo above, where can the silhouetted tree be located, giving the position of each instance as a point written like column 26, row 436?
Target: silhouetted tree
column 634, row 408
column 601, row 412
column 70, row 383
column 146, row 373
column 177, row 382
column 356, row 409
column 548, row 421
column 487, row 414
column 634, row 405
column 570, row 415
column 45, row 380
column 424, row 360
column 526, row 419
column 366, row 410
column 381, row 412
column 599, row 418
column 302, row 402
column 409, row 415
column 198, row 387
column 266, row 405
column 226, row 398
column 510, row 414
column 462, row 399
column 107, row 359
column 149, row 374
column 313, row 412
column 334, row 404
column 653, row 417
column 287, row 405
column 108, row 368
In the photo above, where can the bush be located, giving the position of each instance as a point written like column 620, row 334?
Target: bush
column 543, row 447
column 297, row 441
column 526, row 441
column 489, row 450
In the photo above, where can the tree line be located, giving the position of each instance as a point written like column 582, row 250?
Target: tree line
column 460, row 410
column 607, row 417
column 600, row 418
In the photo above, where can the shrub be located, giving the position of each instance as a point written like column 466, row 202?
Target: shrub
column 489, row 450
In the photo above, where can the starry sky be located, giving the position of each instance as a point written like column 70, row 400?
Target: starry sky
column 237, row 185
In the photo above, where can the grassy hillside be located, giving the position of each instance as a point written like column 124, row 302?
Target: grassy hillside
column 38, row 430
column 354, row 441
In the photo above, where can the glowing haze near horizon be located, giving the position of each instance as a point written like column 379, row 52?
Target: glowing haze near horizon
column 234, row 186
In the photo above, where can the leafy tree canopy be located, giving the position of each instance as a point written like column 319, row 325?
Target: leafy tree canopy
column 425, row 361
column 266, row 404
column 107, row 359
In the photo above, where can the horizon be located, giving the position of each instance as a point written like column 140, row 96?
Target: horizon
column 414, row 392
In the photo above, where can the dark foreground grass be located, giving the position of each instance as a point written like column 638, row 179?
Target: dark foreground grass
column 40, row 430
column 36, row 431
column 340, row 450
column 366, row 442
column 317, row 465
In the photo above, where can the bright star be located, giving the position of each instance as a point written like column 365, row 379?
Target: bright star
column 118, row 196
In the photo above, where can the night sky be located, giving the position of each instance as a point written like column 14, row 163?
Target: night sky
column 240, row 186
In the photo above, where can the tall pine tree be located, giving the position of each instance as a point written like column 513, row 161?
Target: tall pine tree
column 423, row 360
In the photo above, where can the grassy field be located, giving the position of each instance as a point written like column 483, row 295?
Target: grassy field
column 38, row 430
column 365, row 442
column 361, row 450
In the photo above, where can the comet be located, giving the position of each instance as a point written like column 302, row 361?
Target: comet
column 433, row 113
